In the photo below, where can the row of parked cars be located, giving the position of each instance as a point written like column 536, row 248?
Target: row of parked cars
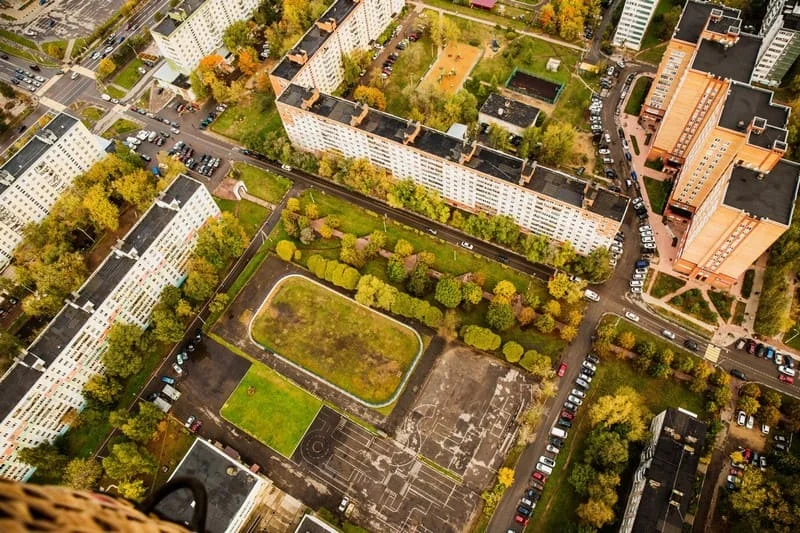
column 785, row 362
column 558, row 435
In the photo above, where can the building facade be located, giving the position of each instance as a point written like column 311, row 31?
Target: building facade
column 194, row 29
column 633, row 23
column 466, row 174
column 34, row 177
column 663, row 484
column 713, row 131
column 348, row 25
column 781, row 47
column 45, row 383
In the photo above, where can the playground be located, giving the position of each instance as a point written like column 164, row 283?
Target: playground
column 451, row 68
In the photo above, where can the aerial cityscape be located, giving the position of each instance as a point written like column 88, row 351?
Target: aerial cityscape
column 379, row 266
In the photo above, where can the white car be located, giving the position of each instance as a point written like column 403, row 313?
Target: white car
column 574, row 399
column 343, row 504
column 636, row 290
column 96, row 55
column 765, row 429
column 741, row 418
column 783, row 369
column 585, row 377
column 778, row 359
column 637, row 283
column 648, row 239
column 547, row 461
column 581, row 382
column 590, row 366
column 668, row 334
column 544, row 469
column 644, row 228
column 552, row 449
column 750, row 422
column 631, row 316
column 579, row 393
column 178, row 370
column 467, row 245
column 640, row 271
column 649, row 245
column 637, row 276
column 604, row 151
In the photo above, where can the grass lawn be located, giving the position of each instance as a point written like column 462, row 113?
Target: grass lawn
column 504, row 20
column 91, row 115
column 113, row 92
column 738, row 314
column 346, row 344
column 254, row 114
column 120, row 127
column 17, row 51
column 638, row 93
column 693, row 303
column 271, row 408
column 77, row 46
column 55, row 49
column 572, row 105
column 747, row 283
column 653, row 55
column 168, row 448
column 722, row 303
column 651, row 35
column 665, row 284
column 657, row 193
column 559, row 500
column 528, row 54
column 407, row 72
column 19, row 39
column 261, row 183
column 251, row 215
column 660, row 342
column 128, row 76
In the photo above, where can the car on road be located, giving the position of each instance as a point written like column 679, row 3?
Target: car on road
column 467, row 245
column 562, row 369
column 631, row 316
column 690, row 344
column 168, row 380
column 741, row 418
column 582, row 383
column 786, row 379
column 668, row 334
column 735, row 372
column 432, row 231
column 750, row 422
column 783, row 369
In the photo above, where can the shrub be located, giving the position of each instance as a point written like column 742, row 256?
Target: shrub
column 512, row 351
column 481, row 338
column 285, row 250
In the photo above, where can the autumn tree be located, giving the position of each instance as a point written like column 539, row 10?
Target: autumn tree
column 248, row 62
column 48, row 460
column 471, row 293
column 201, row 281
column 505, row 476
column 372, row 96
column 751, row 494
column 547, row 18
column 500, row 316
column 127, row 460
column 448, row 292
column 512, row 351
column 504, row 290
column 82, row 474
column 626, row 340
column 103, row 388
column 125, row 349
column 221, row 240
column 137, row 188
column 237, row 36
column 481, row 338
column 219, row 303
column 526, row 316
column 444, row 30
column 536, row 363
column 545, row 323
column 102, row 212
column 623, row 408
column 748, row 404
column 106, row 68
column 285, row 250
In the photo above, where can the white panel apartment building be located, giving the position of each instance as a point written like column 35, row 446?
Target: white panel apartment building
column 34, row 177
column 467, row 175
column 46, row 382
column 316, row 60
column 194, row 29
column 633, row 23
column 781, row 45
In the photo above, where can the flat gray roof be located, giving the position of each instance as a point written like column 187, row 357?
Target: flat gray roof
column 771, row 196
column 768, row 137
column 314, row 38
column 694, row 18
column 744, row 102
column 735, row 62
column 30, row 153
column 227, row 486
column 167, row 25
column 66, row 324
column 18, row 381
column 511, row 111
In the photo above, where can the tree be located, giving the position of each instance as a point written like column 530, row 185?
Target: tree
column 45, row 458
column 624, row 408
column 768, row 414
column 221, row 240
column 219, row 303
column 124, row 351
column 526, row 316
column 448, row 292
column 751, row 494
column 605, row 450
column 771, row 398
column 545, row 323
column 102, row 212
column 547, row 18
column 103, row 389
column 669, row 21
column 396, row 270
column 82, row 474
column 558, row 286
column 202, row 280
column 403, row 248
column 418, row 281
column 9, row 347
column 237, row 36
column 372, row 96
column 558, row 143
column 499, row 137
column 562, row 254
column 512, row 351
column 127, row 460
column 505, row 476
column 626, row 340
column 500, row 316
column 752, row 390
column 106, row 67
column 285, row 250
column 471, row 293
column 535, row 248
column 748, row 404
column 248, row 62
column 504, row 289
column 552, row 307
column 568, row 333
column 538, row 364
column 481, row 338
column 595, row 513
column 133, row 490
column 142, row 426
column 582, row 477
column 136, row 188
column 443, row 30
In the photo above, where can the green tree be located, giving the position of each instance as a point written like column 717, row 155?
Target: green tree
column 46, row 459
column 201, row 281
column 540, row 365
column 285, row 250
column 500, row 316
column 562, row 255
column 751, row 389
column 512, row 351
column 221, row 240
column 595, row 513
column 103, row 389
column 623, row 408
column 237, row 36
column 127, row 460
column 419, row 281
column 481, row 338
column 748, row 404
column 499, row 138
column 582, row 477
column 605, row 450
column 558, row 143
column 448, row 292
column 133, row 490
column 219, row 303
column 396, row 270
column 471, row 293
column 772, row 398
column 142, row 426
column 82, row 474
column 545, row 323
column 535, row 248
column 167, row 325
column 125, row 350
column 751, row 494
column 102, row 212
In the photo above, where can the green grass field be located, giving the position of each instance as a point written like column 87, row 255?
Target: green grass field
column 271, row 408
column 638, row 93
column 406, row 74
column 254, row 114
column 114, row 92
column 120, row 127
column 261, row 183
column 559, row 500
column 91, row 115
column 657, row 193
column 348, row 345
column 528, row 54
column 128, row 76
column 692, row 303
column 19, row 39
column 665, row 284
column 250, row 214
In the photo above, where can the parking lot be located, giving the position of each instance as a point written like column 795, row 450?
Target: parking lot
column 65, row 18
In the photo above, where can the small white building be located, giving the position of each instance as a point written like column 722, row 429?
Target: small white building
column 33, row 178
column 194, row 28
column 46, row 381
column 633, row 23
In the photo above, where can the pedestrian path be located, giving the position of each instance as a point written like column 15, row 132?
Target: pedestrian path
column 52, row 104
column 83, row 71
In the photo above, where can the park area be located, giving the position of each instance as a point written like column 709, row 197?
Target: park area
column 348, row 345
column 451, row 68
column 271, row 408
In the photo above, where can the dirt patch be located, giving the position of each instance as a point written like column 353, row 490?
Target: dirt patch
column 749, row 438
column 451, row 68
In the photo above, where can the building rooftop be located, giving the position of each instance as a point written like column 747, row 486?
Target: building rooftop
column 670, row 476
column 511, row 111
column 769, row 196
column 228, row 485
column 30, row 153
column 791, row 15
column 557, row 185
column 104, row 279
column 314, row 38
column 610, row 205
column 312, row 524
column 694, row 18
column 176, row 16
column 767, row 138
column 15, row 383
column 744, row 102
column 730, row 62
column 67, row 323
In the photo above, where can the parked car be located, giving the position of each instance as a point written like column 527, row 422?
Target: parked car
column 783, row 369
column 190, row 421
column 178, row 370
column 544, row 469
column 786, row 379
column 547, row 461
column 592, row 358
column 195, row 427
column 582, row 383
column 574, row 399
column 750, row 422
column 566, row 414
column 168, row 380
column 750, row 346
column 564, row 423
column 741, row 418
column 578, row 393
column 539, row 476
column 562, row 369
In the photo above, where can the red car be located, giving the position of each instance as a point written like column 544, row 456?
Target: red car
column 538, row 476
column 195, row 426
column 786, row 379
column 562, row 369
column 566, row 414
column 519, row 519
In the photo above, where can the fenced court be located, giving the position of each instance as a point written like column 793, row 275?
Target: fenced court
column 451, row 68
column 534, row 86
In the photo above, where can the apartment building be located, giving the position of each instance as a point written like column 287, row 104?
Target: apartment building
column 781, row 46
column 663, row 484
column 722, row 140
column 633, row 23
column 44, row 385
column 347, row 25
column 34, row 177
column 468, row 175
column 194, row 28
